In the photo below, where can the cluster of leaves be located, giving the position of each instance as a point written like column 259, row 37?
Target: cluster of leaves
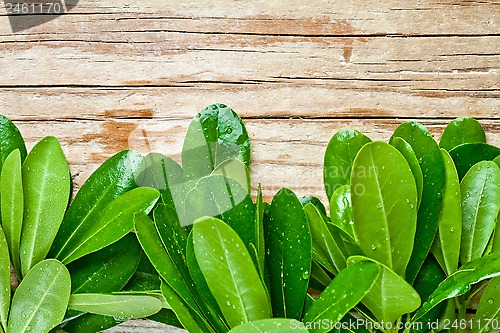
column 426, row 214
column 412, row 235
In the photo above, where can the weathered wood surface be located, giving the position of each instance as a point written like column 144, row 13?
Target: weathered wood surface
column 295, row 71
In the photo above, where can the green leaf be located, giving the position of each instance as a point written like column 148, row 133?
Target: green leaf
column 226, row 199
column 229, row 272
column 289, row 254
column 116, row 220
column 488, row 312
column 107, row 270
column 259, row 232
column 496, row 238
column 91, row 323
column 167, row 317
column 461, row 281
column 480, row 191
column 384, row 203
column 391, row 296
column 124, row 306
column 304, row 200
column 433, row 172
column 348, row 288
column 319, row 277
column 341, row 211
column 468, row 154
column 215, row 135
column 40, row 301
column 10, row 140
column 12, row 199
column 236, row 170
column 407, row 151
column 4, row 281
column 325, row 249
column 339, row 156
column 497, row 160
column 462, row 130
column 112, row 179
column 46, row 188
column 275, row 325
column 447, row 242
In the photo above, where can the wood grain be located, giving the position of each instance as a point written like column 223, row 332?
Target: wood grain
column 295, row 71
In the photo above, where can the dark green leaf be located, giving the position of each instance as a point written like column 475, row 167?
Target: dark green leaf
column 433, row 171
column 468, row 154
column 391, row 296
column 274, row 325
column 304, row 200
column 91, row 323
column 407, row 151
column 480, row 191
column 229, row 272
column 4, row 281
column 123, row 306
column 215, row 135
column 167, row 317
column 10, row 140
column 288, row 244
column 462, row 130
column 384, row 204
column 259, row 233
column 46, row 188
column 40, row 301
column 339, row 155
column 446, row 246
column 461, row 281
column 12, row 199
column 107, row 270
column 112, row 179
column 116, row 220
column 344, row 292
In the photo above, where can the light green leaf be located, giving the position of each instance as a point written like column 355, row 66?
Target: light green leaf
column 46, row 188
column 468, row 154
column 433, row 172
column 462, row 130
column 391, row 296
column 325, row 249
column 123, row 306
column 407, row 151
column 236, row 170
column 289, row 254
column 447, row 242
column 480, row 190
column 341, row 210
column 40, row 301
column 215, row 135
column 12, row 198
column 229, row 272
column 339, row 155
column 112, row 179
column 497, row 160
column 4, row 281
column 461, row 281
column 274, row 325
column 348, row 288
column 116, row 220
column 488, row 312
column 384, row 203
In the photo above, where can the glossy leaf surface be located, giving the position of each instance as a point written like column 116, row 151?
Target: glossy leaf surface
column 448, row 239
column 488, row 312
column 348, row 288
column 40, row 301
column 391, row 296
column 480, row 191
column 12, row 202
column 236, row 170
column 339, row 156
column 462, row 130
column 10, row 140
column 46, row 188
column 4, row 280
column 215, row 135
column 124, row 306
column 461, row 281
column 288, row 256
column 384, row 203
column 229, row 272
column 341, row 210
column 433, row 172
column 113, row 178
column 275, row 325
column 468, row 154
column 116, row 220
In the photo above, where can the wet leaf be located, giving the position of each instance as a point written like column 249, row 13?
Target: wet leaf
column 462, row 130
column 10, row 140
column 468, row 154
column 46, row 188
column 488, row 312
column 339, row 156
column 40, row 301
column 341, row 211
column 4, row 281
column 384, row 204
